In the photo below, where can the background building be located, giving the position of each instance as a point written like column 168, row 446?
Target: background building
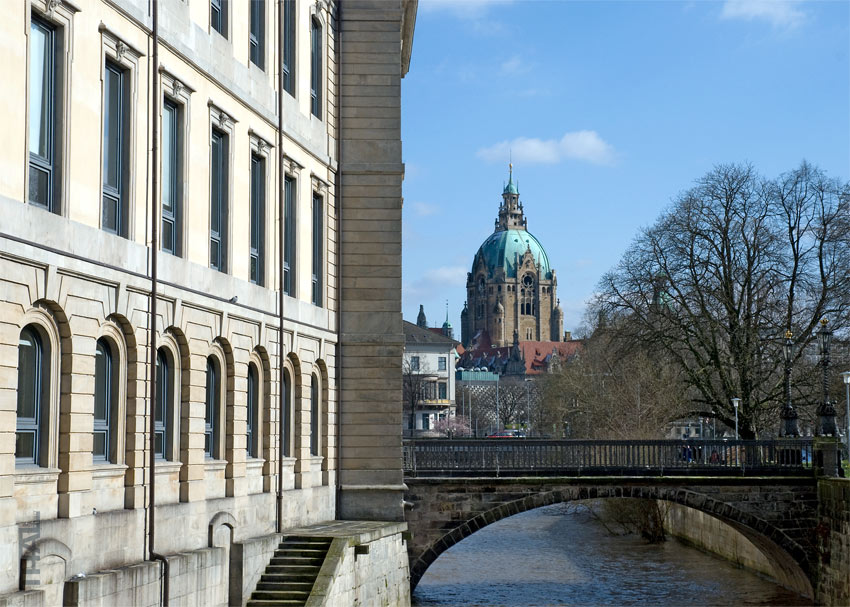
column 511, row 287
column 428, row 377
column 235, row 159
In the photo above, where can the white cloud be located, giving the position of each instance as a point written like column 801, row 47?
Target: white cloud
column 578, row 145
column 780, row 13
column 424, row 209
column 514, row 65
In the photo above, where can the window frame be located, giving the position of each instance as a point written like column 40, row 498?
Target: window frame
column 414, row 363
column 36, row 425
column 43, row 324
column 290, row 21
column 315, row 410
column 176, row 143
column 116, row 194
column 257, row 220
column 37, row 162
column 212, row 412
column 316, row 50
column 257, row 34
column 290, row 233
column 254, row 403
column 286, row 417
column 106, row 426
column 219, row 236
column 442, row 363
column 318, row 256
column 220, row 25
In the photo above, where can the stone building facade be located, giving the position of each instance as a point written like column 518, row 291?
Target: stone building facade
column 275, row 166
column 511, row 287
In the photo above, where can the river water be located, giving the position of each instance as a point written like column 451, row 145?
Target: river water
column 551, row 556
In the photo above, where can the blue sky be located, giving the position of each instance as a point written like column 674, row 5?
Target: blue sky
column 609, row 110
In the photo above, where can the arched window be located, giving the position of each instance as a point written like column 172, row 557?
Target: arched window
column 286, row 414
column 213, row 404
column 314, row 416
column 253, row 409
column 163, row 447
column 31, row 433
column 105, row 403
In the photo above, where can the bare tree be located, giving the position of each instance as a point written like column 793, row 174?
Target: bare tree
column 735, row 262
column 415, row 380
column 613, row 391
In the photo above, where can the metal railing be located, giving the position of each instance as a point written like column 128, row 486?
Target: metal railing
column 539, row 457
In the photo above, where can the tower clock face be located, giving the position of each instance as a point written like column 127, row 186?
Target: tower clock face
column 528, row 280
column 481, row 285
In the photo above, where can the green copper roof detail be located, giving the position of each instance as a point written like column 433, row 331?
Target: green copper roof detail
column 510, row 188
column 502, row 248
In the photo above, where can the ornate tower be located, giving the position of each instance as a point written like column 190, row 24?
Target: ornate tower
column 511, row 288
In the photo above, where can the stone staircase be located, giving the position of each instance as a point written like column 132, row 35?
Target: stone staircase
column 290, row 575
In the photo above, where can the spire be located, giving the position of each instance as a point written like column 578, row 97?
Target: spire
column 510, row 211
column 447, row 326
column 421, row 321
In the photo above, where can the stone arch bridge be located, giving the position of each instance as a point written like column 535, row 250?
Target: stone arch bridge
column 767, row 490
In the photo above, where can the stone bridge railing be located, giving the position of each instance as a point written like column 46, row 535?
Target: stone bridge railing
column 512, row 457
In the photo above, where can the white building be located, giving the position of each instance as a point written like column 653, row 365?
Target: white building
column 429, row 377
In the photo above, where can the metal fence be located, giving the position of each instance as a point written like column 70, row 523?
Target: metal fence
column 530, row 457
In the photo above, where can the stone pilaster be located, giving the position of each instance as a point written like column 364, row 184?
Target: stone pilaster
column 192, row 474
column 371, row 337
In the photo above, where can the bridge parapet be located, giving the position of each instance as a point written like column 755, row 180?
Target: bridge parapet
column 539, row 457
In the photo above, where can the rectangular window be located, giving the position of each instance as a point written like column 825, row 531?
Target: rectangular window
column 441, row 363
column 258, row 27
column 288, row 236
column 442, row 392
column 316, row 69
column 42, row 119
column 258, row 212
column 318, row 247
column 218, row 16
column 218, row 201
column 414, row 363
column 114, row 149
column 289, row 46
column 171, row 171
column 426, row 421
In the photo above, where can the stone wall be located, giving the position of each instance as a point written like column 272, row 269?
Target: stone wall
column 369, row 569
column 833, row 584
column 712, row 535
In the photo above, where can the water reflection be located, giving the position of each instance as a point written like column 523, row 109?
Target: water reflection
column 547, row 557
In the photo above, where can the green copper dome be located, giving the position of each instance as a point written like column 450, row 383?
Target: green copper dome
column 502, row 249
column 510, row 188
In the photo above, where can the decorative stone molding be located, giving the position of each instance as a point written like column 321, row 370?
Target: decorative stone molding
column 291, row 167
column 319, row 185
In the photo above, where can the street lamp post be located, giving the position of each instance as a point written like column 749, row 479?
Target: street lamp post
column 735, row 403
column 846, row 377
column 788, row 427
column 826, row 411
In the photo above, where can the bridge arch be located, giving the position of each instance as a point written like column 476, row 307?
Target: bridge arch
column 790, row 560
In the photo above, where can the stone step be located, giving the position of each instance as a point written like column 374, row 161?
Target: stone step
column 300, row 552
column 297, row 560
column 303, row 546
column 275, row 603
column 286, row 582
column 298, row 578
column 272, row 593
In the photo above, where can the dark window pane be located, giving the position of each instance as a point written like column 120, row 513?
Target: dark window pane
column 168, row 235
column 99, row 445
column 33, row 372
column 218, row 200
column 316, row 69
column 253, row 405
column 258, row 206
column 25, row 443
column 314, row 417
column 163, row 409
column 170, row 176
column 258, row 12
column 212, row 409
column 288, row 235
column 289, row 46
column 318, row 247
column 29, row 354
column 102, row 370
column 110, row 213
column 39, row 187
column 287, row 414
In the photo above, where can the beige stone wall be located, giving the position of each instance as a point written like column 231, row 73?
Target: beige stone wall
column 61, row 272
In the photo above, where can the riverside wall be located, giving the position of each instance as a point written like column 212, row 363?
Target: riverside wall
column 833, row 539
